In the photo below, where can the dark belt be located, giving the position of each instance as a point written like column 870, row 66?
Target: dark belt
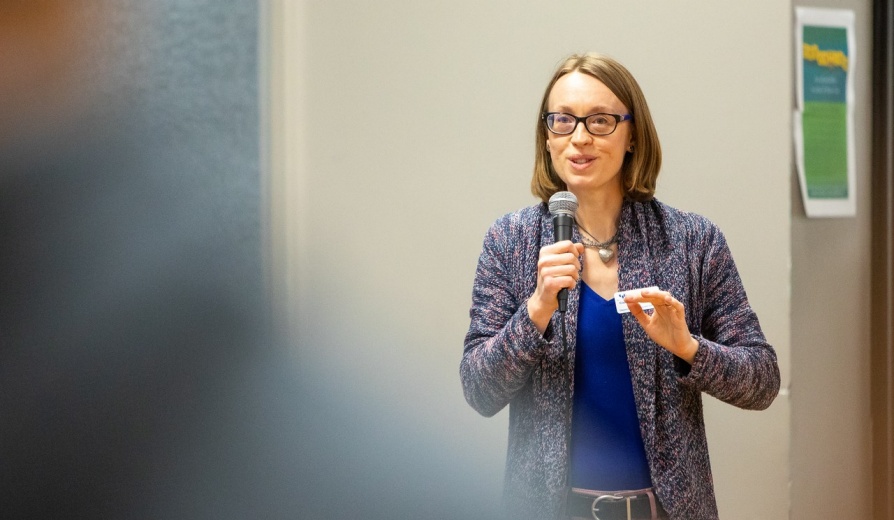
column 621, row 505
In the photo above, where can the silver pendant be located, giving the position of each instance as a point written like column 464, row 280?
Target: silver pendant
column 606, row 254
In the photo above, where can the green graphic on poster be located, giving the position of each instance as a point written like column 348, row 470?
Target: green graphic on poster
column 825, row 111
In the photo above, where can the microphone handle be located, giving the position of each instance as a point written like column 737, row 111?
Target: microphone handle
column 562, row 230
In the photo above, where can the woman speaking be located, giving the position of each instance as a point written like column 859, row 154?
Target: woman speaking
column 605, row 410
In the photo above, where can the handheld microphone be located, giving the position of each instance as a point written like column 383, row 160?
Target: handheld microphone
column 562, row 206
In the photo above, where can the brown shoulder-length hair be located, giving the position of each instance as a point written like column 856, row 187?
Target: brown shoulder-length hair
column 639, row 172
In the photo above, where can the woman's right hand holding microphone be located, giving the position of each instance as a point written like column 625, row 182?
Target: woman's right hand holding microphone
column 558, row 267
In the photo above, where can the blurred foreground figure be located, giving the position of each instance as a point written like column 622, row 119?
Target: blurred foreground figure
column 135, row 375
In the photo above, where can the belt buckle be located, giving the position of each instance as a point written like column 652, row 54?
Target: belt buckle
column 595, row 507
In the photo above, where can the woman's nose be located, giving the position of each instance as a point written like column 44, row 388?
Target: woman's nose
column 580, row 134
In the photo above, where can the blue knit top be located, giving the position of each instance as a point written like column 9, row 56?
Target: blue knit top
column 607, row 451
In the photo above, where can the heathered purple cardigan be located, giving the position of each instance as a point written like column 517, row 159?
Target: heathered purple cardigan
column 507, row 361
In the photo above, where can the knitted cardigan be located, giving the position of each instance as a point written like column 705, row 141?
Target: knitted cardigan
column 507, row 361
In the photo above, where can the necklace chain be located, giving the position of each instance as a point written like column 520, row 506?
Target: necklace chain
column 589, row 240
column 605, row 248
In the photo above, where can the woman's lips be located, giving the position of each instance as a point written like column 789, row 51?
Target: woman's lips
column 580, row 162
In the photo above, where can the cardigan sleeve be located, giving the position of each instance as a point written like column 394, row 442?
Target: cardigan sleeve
column 734, row 362
column 502, row 346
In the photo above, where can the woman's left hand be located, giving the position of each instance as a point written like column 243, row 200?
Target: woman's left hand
column 667, row 323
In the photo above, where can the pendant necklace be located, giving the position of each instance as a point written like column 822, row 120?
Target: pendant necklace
column 605, row 248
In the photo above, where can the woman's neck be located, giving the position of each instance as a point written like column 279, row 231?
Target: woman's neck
column 599, row 213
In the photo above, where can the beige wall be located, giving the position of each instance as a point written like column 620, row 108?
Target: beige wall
column 400, row 130
column 831, row 426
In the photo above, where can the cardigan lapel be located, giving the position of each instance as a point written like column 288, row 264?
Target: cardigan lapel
column 558, row 366
column 642, row 237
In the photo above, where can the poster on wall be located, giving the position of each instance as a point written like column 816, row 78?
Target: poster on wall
column 824, row 115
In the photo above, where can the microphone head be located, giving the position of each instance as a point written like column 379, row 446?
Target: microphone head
column 563, row 203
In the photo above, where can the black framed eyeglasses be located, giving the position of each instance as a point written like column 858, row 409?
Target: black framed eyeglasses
column 562, row 123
